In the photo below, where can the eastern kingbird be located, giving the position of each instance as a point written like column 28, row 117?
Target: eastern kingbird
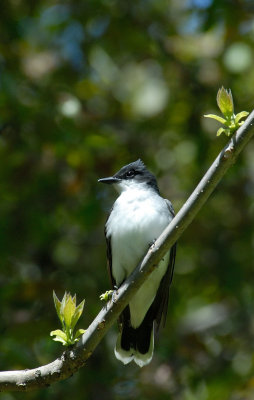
column 138, row 217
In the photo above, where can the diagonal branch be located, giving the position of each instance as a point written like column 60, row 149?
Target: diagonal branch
column 73, row 359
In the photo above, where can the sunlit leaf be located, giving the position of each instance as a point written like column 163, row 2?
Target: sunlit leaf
column 225, row 102
column 77, row 314
column 61, row 340
column 220, row 131
column 241, row 115
column 79, row 333
column 58, row 332
column 69, row 315
column 57, row 303
column 69, row 310
column 63, row 302
column 217, row 117
column 106, row 296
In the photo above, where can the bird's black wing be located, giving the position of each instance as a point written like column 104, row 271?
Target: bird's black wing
column 160, row 304
column 109, row 267
column 109, row 257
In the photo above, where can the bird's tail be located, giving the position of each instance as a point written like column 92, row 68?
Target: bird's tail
column 135, row 344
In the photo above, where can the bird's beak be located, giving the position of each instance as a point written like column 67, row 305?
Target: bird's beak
column 109, row 180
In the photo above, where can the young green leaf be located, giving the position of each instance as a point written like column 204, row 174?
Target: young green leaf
column 225, row 102
column 79, row 333
column 106, row 296
column 60, row 336
column 226, row 105
column 241, row 115
column 77, row 314
column 220, row 131
column 213, row 116
column 69, row 315
column 57, row 303
column 63, row 302
column 69, row 310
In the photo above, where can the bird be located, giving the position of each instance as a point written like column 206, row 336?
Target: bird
column 137, row 218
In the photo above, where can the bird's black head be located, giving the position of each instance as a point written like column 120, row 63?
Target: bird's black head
column 132, row 174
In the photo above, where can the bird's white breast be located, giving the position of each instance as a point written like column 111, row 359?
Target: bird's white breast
column 138, row 217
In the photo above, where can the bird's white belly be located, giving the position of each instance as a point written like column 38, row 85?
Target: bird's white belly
column 133, row 225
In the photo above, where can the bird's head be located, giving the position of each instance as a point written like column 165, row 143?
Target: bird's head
column 132, row 176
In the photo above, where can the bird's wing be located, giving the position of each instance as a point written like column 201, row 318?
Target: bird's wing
column 109, row 267
column 109, row 257
column 160, row 303
column 170, row 207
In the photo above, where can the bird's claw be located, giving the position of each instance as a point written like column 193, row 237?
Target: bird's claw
column 152, row 243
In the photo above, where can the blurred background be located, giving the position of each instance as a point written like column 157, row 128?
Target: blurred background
column 87, row 86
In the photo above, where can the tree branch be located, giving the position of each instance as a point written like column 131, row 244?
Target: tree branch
column 73, row 359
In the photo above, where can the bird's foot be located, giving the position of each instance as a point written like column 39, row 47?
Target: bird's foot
column 114, row 294
column 151, row 244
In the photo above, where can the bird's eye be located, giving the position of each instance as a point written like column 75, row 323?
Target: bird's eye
column 130, row 173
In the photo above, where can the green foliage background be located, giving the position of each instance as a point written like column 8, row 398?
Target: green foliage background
column 86, row 87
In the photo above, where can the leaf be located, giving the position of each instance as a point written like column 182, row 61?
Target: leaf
column 59, row 339
column 225, row 102
column 79, row 333
column 69, row 315
column 69, row 310
column 213, row 116
column 59, row 333
column 57, row 303
column 220, row 131
column 241, row 115
column 63, row 303
column 60, row 336
column 77, row 314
